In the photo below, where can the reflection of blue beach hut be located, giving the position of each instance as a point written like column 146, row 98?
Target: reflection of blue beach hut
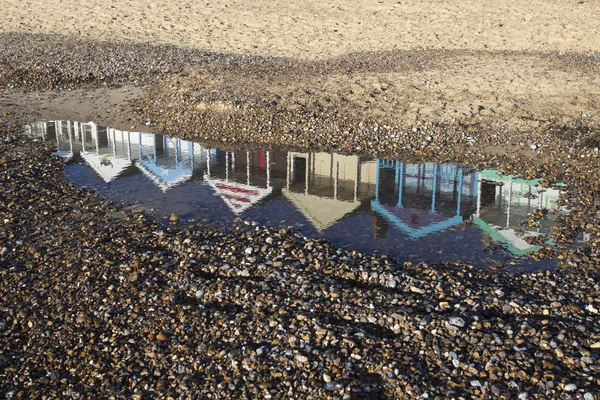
column 427, row 197
column 166, row 161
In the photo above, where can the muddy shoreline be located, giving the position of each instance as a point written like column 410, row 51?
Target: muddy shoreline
column 129, row 309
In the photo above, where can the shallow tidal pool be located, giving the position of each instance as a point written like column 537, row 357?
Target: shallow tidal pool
column 423, row 212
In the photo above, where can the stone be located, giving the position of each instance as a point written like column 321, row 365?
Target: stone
column 456, row 321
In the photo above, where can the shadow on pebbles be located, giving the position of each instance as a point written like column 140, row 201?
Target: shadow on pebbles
column 99, row 301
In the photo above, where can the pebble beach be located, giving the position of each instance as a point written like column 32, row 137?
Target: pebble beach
column 99, row 300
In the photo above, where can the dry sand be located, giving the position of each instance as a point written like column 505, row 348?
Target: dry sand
column 486, row 59
column 312, row 29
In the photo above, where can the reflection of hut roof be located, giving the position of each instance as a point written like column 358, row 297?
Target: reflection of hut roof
column 492, row 175
column 424, row 224
column 165, row 177
column 516, row 245
column 106, row 165
column 238, row 196
column 322, row 212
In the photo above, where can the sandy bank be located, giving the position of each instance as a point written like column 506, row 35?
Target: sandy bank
column 318, row 29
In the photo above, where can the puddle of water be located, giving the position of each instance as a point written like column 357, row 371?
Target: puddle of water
column 413, row 212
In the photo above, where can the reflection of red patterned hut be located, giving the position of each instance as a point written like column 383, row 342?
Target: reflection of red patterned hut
column 240, row 196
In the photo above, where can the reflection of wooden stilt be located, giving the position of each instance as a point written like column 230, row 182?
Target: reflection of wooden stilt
column 226, row 166
column 177, row 146
column 356, row 178
column 128, row 135
column 208, row 163
column 377, row 180
column 58, row 132
column 335, row 180
column 510, row 193
column 400, row 184
column 96, row 137
column 459, row 188
column 248, row 168
column 290, row 170
column 154, row 149
column 478, row 193
column 307, row 169
column 70, row 134
column 434, row 188
column 268, row 169
column 114, row 142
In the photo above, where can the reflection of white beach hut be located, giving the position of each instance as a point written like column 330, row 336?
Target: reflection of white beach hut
column 62, row 137
column 166, row 161
column 422, row 181
column 238, row 196
column 504, row 202
column 324, row 187
column 109, row 152
column 64, row 140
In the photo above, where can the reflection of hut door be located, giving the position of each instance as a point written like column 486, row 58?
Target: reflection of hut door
column 299, row 169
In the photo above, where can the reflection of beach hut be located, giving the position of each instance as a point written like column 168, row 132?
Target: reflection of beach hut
column 239, row 196
column 61, row 135
column 166, row 161
column 108, row 159
column 324, row 187
column 64, row 140
column 505, row 201
column 414, row 207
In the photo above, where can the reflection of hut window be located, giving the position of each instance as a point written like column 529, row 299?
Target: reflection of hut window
column 414, row 219
column 299, row 170
column 103, row 139
column 379, row 226
column 488, row 193
column 105, row 161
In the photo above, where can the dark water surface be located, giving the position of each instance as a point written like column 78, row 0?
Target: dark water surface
column 413, row 212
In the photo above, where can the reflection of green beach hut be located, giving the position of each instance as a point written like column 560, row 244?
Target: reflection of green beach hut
column 504, row 201
column 416, row 207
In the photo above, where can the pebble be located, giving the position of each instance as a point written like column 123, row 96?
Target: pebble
column 457, row 321
column 188, row 324
column 571, row 387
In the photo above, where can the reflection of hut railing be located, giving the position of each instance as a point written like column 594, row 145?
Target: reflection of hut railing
column 415, row 222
